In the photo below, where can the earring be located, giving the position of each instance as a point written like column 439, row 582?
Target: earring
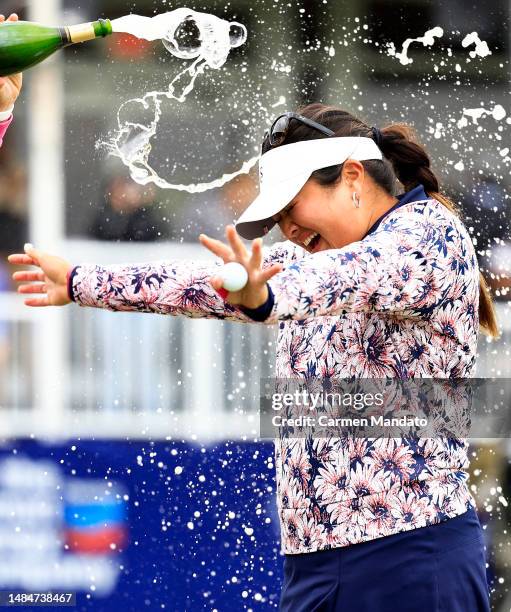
column 356, row 199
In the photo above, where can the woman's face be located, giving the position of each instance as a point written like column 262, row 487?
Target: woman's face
column 320, row 218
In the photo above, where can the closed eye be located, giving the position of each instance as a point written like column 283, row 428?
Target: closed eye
column 278, row 217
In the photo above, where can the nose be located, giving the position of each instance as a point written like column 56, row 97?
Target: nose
column 289, row 228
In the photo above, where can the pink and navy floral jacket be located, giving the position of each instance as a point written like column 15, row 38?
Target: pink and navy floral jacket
column 401, row 302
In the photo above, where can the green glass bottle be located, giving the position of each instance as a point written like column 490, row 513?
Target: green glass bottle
column 23, row 43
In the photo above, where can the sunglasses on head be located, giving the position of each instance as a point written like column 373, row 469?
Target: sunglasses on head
column 280, row 127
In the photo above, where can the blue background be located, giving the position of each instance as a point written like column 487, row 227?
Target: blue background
column 183, row 569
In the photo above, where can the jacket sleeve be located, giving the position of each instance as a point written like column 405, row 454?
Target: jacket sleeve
column 405, row 270
column 178, row 287
column 3, row 128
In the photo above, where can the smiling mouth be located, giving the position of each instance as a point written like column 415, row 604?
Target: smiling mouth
column 311, row 242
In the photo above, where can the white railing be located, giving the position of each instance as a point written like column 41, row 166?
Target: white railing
column 132, row 374
column 142, row 375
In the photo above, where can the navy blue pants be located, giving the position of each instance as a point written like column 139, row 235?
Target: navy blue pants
column 440, row 568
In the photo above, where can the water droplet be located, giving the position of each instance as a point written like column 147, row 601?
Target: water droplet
column 237, row 34
column 186, row 41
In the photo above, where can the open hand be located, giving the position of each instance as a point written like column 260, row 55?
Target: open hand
column 51, row 273
column 255, row 292
column 10, row 86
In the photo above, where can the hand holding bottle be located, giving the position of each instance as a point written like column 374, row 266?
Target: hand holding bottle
column 10, row 86
column 51, row 274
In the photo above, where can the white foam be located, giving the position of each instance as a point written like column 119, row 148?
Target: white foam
column 187, row 34
column 428, row 40
column 481, row 46
column 498, row 113
column 280, row 102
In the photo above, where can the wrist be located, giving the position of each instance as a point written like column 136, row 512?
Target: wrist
column 69, row 282
column 258, row 300
column 262, row 312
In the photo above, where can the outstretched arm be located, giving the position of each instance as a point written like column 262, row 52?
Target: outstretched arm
column 167, row 287
column 411, row 265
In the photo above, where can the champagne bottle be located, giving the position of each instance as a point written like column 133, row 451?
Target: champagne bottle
column 23, row 43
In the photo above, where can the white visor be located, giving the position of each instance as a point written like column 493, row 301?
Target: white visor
column 284, row 170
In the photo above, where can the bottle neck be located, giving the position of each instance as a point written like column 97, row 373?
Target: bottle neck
column 86, row 31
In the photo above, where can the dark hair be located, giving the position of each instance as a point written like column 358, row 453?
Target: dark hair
column 405, row 161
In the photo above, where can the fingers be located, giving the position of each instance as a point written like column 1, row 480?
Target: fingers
column 216, row 282
column 237, row 250
column 13, row 17
column 28, row 276
column 42, row 301
column 30, row 258
column 271, row 271
column 256, row 259
column 236, row 244
column 32, row 252
column 38, row 288
column 20, row 259
column 217, row 247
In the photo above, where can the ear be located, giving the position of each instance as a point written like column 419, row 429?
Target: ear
column 353, row 174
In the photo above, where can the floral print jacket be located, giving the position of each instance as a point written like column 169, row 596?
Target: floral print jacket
column 401, row 302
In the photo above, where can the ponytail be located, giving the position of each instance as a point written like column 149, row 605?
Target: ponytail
column 412, row 166
column 403, row 158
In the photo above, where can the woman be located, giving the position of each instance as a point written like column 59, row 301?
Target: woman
column 368, row 284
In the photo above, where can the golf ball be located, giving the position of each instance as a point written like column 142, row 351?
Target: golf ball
column 234, row 276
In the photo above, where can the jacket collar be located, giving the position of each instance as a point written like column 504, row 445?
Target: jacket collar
column 417, row 194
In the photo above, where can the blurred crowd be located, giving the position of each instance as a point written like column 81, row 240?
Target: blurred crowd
column 487, row 210
column 130, row 212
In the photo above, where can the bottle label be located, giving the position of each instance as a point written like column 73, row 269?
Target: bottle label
column 81, row 33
